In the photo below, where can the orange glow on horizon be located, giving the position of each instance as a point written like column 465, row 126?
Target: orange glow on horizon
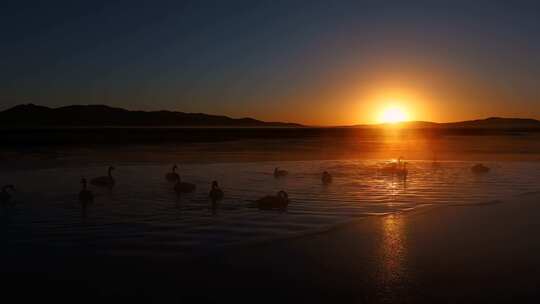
column 393, row 114
column 391, row 105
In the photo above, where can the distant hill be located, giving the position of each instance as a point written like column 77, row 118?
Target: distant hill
column 488, row 123
column 496, row 123
column 30, row 115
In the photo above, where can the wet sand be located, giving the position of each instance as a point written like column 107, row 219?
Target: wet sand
column 452, row 254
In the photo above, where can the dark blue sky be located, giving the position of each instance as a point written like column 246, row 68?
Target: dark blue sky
column 307, row 61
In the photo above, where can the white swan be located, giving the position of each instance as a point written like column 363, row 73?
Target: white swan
column 480, row 168
column 398, row 168
column 216, row 194
column 402, row 171
column 104, row 181
column 326, row 178
column 85, row 196
column 278, row 201
column 182, row 187
column 172, row 176
column 5, row 196
column 280, row 173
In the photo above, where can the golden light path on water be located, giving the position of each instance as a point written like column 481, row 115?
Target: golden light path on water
column 391, row 274
column 393, row 247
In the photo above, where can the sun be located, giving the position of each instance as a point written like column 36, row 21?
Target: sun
column 393, row 114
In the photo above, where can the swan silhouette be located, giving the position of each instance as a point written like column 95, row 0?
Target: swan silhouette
column 269, row 202
column 172, row 176
column 398, row 168
column 85, row 196
column 104, row 181
column 280, row 173
column 402, row 171
column 182, row 187
column 216, row 194
column 5, row 196
column 326, row 178
column 480, row 168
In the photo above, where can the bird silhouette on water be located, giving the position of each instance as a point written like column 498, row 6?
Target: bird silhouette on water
column 326, row 178
column 5, row 195
column 172, row 176
column 280, row 173
column 216, row 195
column 402, row 170
column 398, row 168
column 183, row 187
column 85, row 196
column 280, row 201
column 104, row 181
column 480, row 168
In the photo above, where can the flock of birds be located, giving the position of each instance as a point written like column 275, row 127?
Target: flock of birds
column 278, row 201
column 86, row 196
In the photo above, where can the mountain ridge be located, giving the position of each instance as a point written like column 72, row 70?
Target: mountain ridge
column 31, row 115
column 486, row 123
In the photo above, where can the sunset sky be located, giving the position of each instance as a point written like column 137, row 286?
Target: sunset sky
column 313, row 62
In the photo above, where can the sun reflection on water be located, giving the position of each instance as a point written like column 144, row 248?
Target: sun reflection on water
column 393, row 254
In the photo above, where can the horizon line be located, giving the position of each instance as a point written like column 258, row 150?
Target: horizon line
column 352, row 125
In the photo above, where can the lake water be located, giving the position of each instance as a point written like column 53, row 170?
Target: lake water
column 142, row 215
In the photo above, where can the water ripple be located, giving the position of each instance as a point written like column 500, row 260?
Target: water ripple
column 143, row 215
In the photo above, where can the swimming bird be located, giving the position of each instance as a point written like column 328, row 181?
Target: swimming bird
column 398, row 168
column 389, row 168
column 280, row 173
column 278, row 201
column 104, row 181
column 5, row 196
column 326, row 178
column 181, row 187
column 216, row 194
column 402, row 171
column 435, row 163
column 172, row 176
column 85, row 196
column 480, row 168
